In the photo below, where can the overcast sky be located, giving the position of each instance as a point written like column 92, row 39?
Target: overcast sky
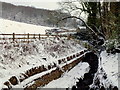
column 46, row 4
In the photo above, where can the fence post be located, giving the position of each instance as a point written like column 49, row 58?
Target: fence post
column 28, row 37
column 13, row 37
column 39, row 36
column 34, row 36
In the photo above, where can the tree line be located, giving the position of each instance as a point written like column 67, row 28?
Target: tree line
column 102, row 17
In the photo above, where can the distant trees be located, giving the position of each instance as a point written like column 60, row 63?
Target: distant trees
column 54, row 16
column 31, row 15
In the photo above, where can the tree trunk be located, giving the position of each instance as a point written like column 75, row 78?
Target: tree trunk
column 105, row 19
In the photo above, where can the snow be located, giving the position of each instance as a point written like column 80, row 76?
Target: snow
column 15, row 60
column 30, row 79
column 19, row 59
column 70, row 78
column 8, row 27
column 110, row 66
column 26, row 56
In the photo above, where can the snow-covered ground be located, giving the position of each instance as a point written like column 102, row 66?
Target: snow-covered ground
column 16, row 59
column 8, row 27
column 110, row 65
column 26, row 56
column 70, row 78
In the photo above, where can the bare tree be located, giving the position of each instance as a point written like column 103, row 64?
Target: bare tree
column 100, row 18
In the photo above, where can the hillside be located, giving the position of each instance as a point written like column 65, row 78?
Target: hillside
column 31, row 15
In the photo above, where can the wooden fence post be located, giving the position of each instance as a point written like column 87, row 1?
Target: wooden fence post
column 13, row 37
column 28, row 37
column 34, row 36
column 39, row 36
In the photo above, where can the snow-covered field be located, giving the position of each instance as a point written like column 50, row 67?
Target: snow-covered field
column 8, row 26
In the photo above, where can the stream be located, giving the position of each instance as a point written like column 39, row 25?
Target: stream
column 96, row 78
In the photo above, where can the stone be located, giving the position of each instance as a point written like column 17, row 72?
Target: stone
column 13, row 80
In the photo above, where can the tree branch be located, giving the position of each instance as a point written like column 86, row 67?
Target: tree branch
column 79, row 19
column 88, row 27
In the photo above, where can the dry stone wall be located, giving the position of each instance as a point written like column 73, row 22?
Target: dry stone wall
column 45, row 79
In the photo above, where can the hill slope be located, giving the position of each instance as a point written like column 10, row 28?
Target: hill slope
column 31, row 15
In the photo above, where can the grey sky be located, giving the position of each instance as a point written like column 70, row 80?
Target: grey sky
column 46, row 4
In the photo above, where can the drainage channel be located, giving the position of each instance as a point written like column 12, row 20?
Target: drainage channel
column 91, row 80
